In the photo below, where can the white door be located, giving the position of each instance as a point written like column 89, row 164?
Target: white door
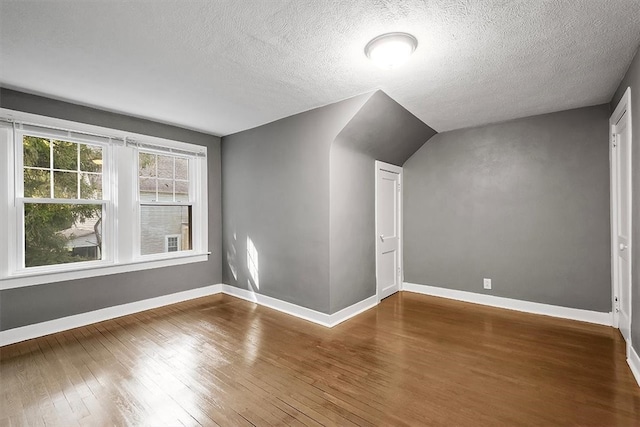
column 621, row 210
column 388, row 229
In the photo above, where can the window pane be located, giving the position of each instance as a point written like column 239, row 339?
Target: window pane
column 65, row 155
column 35, row 152
column 165, row 190
column 182, row 168
column 147, row 189
column 182, row 191
column 90, row 158
column 167, row 174
column 165, row 166
column 91, row 186
column 62, row 233
column 147, row 164
column 37, row 183
column 159, row 224
column 65, row 185
column 66, row 182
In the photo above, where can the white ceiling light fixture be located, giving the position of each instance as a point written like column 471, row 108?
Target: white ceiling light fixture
column 391, row 50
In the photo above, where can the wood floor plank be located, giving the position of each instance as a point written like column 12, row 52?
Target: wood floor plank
column 412, row 360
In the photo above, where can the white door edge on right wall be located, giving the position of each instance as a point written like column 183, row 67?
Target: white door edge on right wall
column 388, row 218
column 620, row 148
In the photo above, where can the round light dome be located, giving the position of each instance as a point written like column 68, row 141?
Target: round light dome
column 391, row 50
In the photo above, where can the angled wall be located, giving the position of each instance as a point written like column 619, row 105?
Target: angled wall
column 301, row 189
column 275, row 191
column 381, row 130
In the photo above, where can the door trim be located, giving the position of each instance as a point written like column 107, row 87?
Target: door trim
column 623, row 107
column 393, row 169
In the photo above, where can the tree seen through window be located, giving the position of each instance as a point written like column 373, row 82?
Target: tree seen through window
column 57, row 173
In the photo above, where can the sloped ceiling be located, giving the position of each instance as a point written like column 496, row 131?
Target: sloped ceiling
column 385, row 131
column 226, row 65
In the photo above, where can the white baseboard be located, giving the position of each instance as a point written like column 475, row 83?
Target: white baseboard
column 633, row 360
column 327, row 320
column 513, row 304
column 353, row 310
column 276, row 304
column 24, row 333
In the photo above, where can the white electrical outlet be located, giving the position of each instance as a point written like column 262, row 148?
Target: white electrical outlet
column 487, row 283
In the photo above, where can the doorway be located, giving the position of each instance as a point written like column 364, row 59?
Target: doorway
column 621, row 220
column 388, row 229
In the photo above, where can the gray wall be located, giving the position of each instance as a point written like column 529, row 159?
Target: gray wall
column 302, row 188
column 632, row 79
column 276, row 191
column 381, row 130
column 33, row 304
column 525, row 203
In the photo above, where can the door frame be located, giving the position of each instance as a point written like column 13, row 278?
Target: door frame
column 393, row 169
column 623, row 107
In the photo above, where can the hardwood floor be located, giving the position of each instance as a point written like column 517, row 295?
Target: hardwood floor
column 412, row 360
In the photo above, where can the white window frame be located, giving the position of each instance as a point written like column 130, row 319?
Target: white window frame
column 196, row 238
column 17, row 233
column 121, row 252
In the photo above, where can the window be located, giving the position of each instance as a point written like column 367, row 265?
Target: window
column 74, row 206
column 172, row 243
column 60, row 200
column 165, row 202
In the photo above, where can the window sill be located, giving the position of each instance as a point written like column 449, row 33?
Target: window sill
column 31, row 278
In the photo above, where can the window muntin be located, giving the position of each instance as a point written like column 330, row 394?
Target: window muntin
column 58, row 169
column 163, row 178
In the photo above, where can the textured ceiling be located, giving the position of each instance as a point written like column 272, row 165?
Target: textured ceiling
column 224, row 66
